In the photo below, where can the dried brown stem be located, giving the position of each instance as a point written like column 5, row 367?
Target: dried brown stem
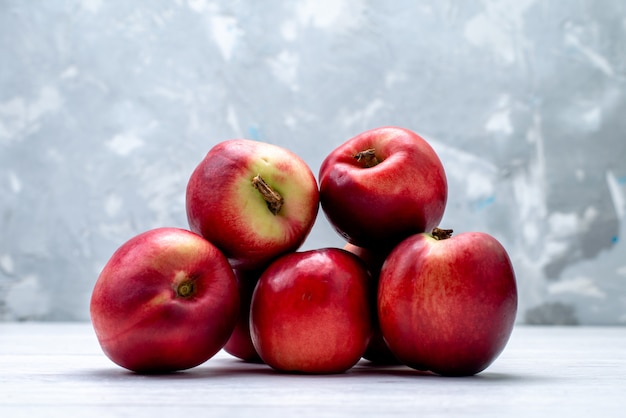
column 441, row 234
column 273, row 199
column 368, row 157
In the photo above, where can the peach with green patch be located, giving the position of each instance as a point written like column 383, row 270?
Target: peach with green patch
column 253, row 200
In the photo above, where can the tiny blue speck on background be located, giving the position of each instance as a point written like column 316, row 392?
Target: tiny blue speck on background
column 253, row 133
column 482, row 204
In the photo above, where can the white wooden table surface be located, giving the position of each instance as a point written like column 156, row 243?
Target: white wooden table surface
column 58, row 370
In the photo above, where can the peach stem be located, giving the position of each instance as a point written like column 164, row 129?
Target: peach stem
column 273, row 199
column 441, row 234
column 368, row 157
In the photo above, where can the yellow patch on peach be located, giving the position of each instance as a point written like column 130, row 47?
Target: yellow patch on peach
column 159, row 299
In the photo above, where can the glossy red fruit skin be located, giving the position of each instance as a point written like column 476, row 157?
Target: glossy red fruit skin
column 142, row 322
column 311, row 312
column 377, row 351
column 240, row 342
column 447, row 306
column 403, row 194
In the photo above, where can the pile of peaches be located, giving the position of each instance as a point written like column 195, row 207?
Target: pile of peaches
column 402, row 291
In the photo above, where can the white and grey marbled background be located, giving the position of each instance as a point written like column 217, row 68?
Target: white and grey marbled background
column 106, row 108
